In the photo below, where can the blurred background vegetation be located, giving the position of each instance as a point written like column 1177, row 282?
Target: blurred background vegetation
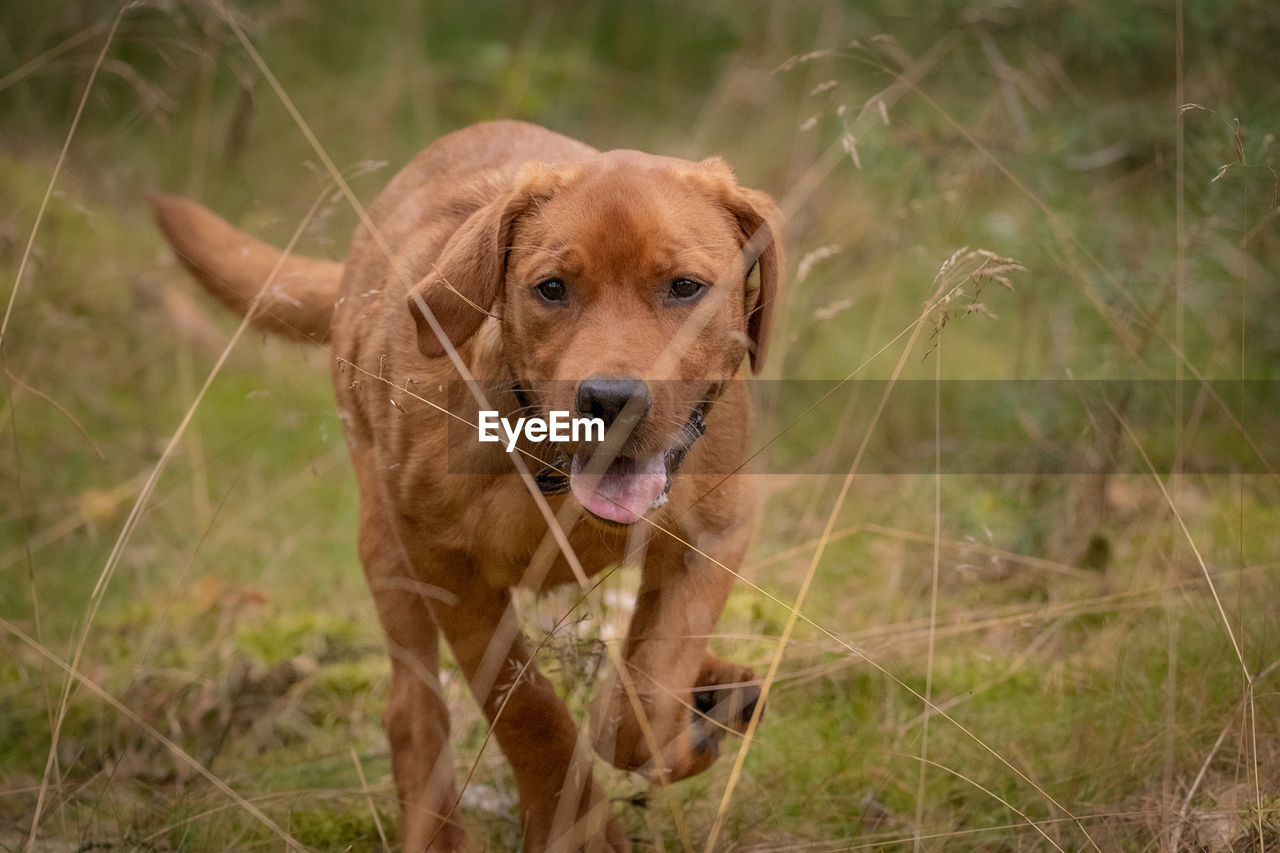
column 1121, row 656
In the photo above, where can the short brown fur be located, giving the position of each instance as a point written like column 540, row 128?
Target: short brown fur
column 464, row 234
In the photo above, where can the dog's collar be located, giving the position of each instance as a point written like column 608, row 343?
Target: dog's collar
column 694, row 428
column 553, row 479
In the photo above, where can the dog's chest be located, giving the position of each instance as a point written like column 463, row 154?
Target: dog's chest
column 514, row 546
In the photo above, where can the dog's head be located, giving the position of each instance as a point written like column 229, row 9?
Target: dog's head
column 630, row 288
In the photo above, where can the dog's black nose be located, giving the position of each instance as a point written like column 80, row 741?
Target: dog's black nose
column 613, row 398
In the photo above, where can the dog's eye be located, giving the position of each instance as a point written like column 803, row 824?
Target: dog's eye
column 685, row 290
column 553, row 290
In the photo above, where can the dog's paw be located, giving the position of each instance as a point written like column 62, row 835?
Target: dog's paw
column 730, row 705
column 726, row 696
column 724, row 700
column 688, row 726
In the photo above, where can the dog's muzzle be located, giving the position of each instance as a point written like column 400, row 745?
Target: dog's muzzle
column 617, row 487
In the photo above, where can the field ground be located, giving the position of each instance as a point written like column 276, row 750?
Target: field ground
column 1097, row 637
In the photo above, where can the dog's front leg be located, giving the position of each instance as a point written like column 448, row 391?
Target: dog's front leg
column 561, row 806
column 667, row 711
column 416, row 718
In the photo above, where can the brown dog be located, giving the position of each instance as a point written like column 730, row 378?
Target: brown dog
column 612, row 285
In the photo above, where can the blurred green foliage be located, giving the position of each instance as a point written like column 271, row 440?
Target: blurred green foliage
column 1075, row 636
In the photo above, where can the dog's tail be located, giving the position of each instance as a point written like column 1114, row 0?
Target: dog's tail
column 298, row 300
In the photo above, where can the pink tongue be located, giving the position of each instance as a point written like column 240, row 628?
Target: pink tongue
column 623, row 492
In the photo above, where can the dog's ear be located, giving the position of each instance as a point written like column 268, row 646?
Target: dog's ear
column 760, row 223
column 463, row 283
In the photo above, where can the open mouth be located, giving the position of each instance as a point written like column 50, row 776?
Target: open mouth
column 631, row 484
column 624, row 491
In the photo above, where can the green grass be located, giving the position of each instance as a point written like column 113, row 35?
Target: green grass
column 1079, row 651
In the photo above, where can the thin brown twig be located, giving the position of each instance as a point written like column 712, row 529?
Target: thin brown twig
column 1195, row 550
column 8, row 313
column 933, row 588
column 1034, row 824
column 364, row 789
column 61, row 409
column 57, row 171
column 35, row 63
